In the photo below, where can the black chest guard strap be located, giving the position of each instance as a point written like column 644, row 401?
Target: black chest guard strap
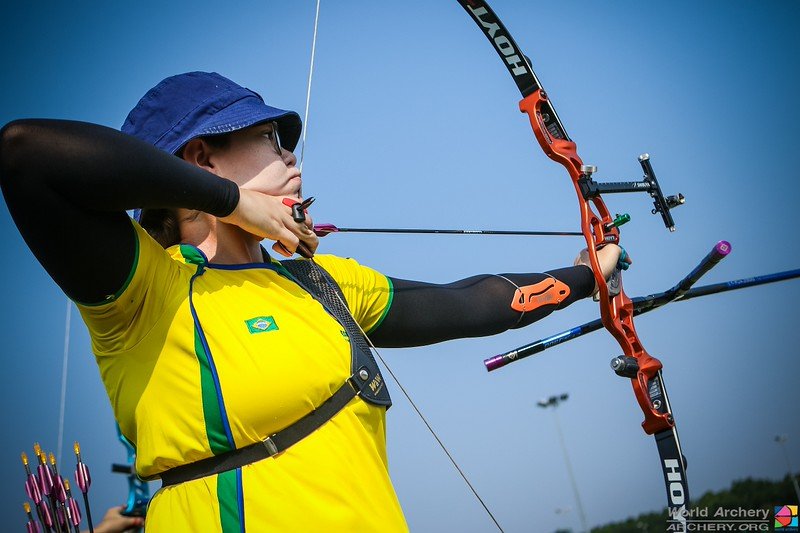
column 366, row 381
column 365, row 372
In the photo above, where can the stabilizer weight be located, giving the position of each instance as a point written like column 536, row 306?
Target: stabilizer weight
column 625, row 367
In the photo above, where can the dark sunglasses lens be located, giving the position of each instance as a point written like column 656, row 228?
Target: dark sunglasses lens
column 276, row 140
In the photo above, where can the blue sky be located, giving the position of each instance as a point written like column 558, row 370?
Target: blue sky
column 414, row 123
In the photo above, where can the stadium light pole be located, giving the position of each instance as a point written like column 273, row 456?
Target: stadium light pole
column 781, row 439
column 554, row 401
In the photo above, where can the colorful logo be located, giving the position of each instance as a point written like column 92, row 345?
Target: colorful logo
column 261, row 324
column 786, row 518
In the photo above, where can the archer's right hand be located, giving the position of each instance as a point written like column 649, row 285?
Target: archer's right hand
column 267, row 217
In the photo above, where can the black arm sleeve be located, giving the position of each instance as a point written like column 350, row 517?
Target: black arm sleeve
column 67, row 185
column 425, row 313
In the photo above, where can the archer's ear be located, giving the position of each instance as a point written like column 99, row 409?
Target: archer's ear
column 198, row 153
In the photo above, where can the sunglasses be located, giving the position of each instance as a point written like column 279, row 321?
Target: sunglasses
column 275, row 138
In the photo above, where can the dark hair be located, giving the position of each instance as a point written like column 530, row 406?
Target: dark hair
column 162, row 224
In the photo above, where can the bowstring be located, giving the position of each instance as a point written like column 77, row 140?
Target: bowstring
column 347, row 308
column 65, row 358
column 308, row 88
column 411, row 402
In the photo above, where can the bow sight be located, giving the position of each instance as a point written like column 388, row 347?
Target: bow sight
column 591, row 189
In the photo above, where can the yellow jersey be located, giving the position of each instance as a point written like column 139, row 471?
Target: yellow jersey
column 199, row 359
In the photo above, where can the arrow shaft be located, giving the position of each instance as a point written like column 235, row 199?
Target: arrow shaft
column 324, row 229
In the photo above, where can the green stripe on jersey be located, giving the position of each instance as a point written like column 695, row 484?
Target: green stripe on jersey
column 215, row 430
column 227, row 496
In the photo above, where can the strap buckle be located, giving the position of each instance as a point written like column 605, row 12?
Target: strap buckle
column 269, row 444
column 354, row 384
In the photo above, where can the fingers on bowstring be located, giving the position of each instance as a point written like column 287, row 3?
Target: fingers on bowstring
column 287, row 242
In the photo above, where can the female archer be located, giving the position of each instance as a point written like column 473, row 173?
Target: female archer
column 246, row 383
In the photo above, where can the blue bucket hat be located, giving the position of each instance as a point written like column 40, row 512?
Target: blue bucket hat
column 196, row 104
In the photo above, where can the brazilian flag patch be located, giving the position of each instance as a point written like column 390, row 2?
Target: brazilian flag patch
column 261, row 324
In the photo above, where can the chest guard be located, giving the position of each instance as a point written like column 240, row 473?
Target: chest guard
column 366, row 375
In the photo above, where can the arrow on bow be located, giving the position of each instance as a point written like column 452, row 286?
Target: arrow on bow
column 599, row 229
column 322, row 230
